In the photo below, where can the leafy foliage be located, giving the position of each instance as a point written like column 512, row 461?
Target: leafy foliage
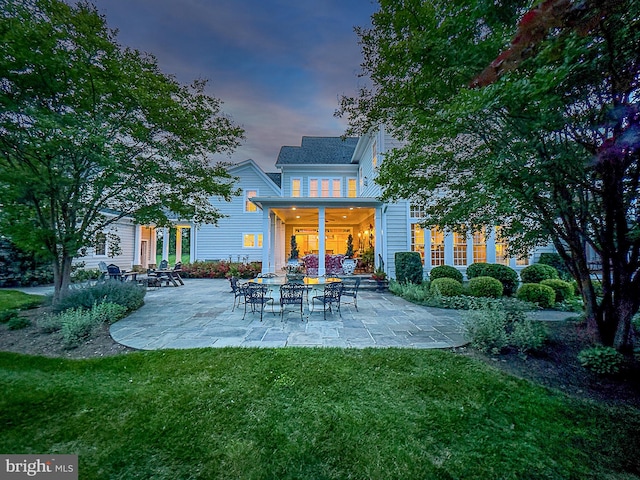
column 540, row 137
column 408, row 267
column 127, row 294
column 564, row 290
column 485, row 287
column 542, row 295
column 445, row 271
column 537, row 272
column 447, row 287
column 85, row 123
column 601, row 360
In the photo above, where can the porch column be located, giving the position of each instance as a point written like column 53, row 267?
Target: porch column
column 153, row 248
column 267, row 241
column 380, row 248
column 469, row 248
column 427, row 252
column 178, row 244
column 321, row 241
column 192, row 243
column 165, row 243
column 137, row 237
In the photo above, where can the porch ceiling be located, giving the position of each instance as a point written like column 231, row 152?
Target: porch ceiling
column 305, row 210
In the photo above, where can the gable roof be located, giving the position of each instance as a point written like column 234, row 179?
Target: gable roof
column 274, row 179
column 319, row 151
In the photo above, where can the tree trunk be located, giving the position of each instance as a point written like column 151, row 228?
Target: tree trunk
column 61, row 277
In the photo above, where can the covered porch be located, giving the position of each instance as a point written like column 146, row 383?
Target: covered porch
column 321, row 226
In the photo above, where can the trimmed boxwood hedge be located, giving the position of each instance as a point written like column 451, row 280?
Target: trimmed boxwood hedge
column 564, row 290
column 448, row 287
column 485, row 287
column 445, row 271
column 408, row 267
column 537, row 272
column 506, row 275
column 543, row 295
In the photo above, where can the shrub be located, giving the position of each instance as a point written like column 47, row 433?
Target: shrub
column 408, row 267
column 418, row 293
column 601, row 360
column 477, row 269
column 496, row 326
column 505, row 274
column 485, row 287
column 447, row 287
column 8, row 315
column 542, row 295
column 80, row 276
column 77, row 324
column 487, row 330
column 564, row 290
column 445, row 271
column 127, row 294
column 16, row 323
column 537, row 272
column 555, row 260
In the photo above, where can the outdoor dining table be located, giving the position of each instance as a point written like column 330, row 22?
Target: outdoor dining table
column 169, row 275
column 312, row 283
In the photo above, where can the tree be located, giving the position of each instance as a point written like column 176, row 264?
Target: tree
column 88, row 127
column 537, row 132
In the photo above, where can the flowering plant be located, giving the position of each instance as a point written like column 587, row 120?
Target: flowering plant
column 379, row 275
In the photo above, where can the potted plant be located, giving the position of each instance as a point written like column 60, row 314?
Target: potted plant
column 380, row 276
column 293, row 264
column 348, row 262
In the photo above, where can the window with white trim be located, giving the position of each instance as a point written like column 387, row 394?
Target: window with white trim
column 417, row 240
column 296, row 187
column 479, row 247
column 437, row 247
column 352, row 191
column 325, row 187
column 459, row 249
column 249, row 206
column 501, row 248
column 100, row 249
column 417, row 211
column 252, row 240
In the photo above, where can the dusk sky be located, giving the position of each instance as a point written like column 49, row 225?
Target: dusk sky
column 279, row 66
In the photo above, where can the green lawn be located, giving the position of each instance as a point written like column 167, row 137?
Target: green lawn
column 12, row 299
column 306, row 413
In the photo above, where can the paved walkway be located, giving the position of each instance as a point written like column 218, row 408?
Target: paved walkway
column 199, row 314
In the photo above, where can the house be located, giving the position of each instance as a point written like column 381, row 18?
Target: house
column 323, row 191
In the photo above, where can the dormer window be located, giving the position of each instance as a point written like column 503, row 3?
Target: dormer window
column 296, row 187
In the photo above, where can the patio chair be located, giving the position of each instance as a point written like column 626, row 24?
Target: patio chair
column 291, row 294
column 257, row 296
column 114, row 272
column 237, row 290
column 104, row 272
column 164, row 264
column 350, row 289
column 330, row 296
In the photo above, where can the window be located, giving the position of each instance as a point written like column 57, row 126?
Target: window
column 101, row 244
column 296, row 187
column 374, row 154
column 325, row 187
column 417, row 240
column 437, row 247
column 313, row 187
column 351, row 188
column 459, row 248
column 248, row 205
column 501, row 249
column 335, row 188
column 252, row 240
column 479, row 247
column 417, row 211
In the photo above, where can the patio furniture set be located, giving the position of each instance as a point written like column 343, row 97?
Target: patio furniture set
column 153, row 277
column 328, row 291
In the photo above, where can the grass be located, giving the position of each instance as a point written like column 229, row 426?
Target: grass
column 15, row 300
column 306, row 413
